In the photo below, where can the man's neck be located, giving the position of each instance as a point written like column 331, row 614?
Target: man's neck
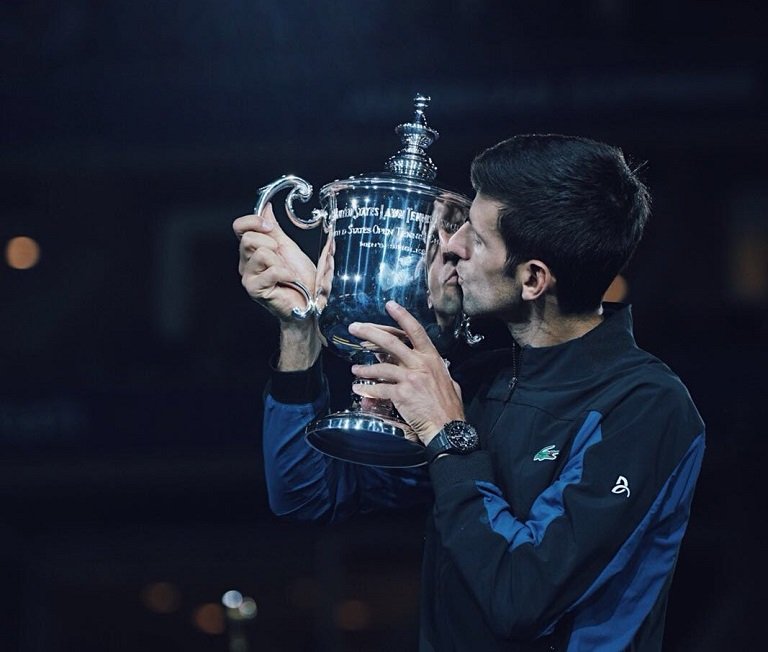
column 549, row 327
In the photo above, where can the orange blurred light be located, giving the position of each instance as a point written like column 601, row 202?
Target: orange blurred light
column 353, row 615
column 22, row 252
column 161, row 597
column 617, row 290
column 209, row 618
column 749, row 267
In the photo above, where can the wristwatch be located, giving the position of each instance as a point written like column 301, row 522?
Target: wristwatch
column 456, row 437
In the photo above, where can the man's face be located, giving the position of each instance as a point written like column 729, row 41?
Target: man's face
column 443, row 282
column 482, row 255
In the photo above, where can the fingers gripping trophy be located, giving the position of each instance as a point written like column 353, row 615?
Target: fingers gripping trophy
column 381, row 235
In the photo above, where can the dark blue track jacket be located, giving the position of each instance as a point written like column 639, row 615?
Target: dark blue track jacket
column 563, row 531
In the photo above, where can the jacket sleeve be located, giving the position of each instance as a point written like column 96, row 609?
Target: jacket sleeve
column 306, row 485
column 606, row 531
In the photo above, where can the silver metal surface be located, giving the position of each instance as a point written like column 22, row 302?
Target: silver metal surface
column 355, row 436
column 300, row 189
column 464, row 330
column 412, row 160
column 376, row 251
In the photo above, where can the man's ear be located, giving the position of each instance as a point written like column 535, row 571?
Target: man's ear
column 536, row 279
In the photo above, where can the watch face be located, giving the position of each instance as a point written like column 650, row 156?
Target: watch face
column 461, row 436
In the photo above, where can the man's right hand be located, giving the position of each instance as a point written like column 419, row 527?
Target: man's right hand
column 269, row 260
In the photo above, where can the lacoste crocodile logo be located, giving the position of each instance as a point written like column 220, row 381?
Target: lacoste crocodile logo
column 546, row 453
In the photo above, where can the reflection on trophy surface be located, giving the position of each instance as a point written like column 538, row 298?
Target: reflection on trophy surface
column 443, row 289
column 385, row 237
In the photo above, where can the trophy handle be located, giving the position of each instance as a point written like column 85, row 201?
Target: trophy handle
column 463, row 330
column 303, row 190
column 300, row 189
column 310, row 309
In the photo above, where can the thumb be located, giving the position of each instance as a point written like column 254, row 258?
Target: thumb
column 267, row 221
column 269, row 224
column 272, row 226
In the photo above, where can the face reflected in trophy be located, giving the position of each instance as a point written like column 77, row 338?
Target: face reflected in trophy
column 385, row 239
column 443, row 289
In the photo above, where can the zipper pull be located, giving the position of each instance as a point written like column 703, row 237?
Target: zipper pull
column 516, row 355
column 511, row 388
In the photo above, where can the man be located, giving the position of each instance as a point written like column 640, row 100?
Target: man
column 562, row 494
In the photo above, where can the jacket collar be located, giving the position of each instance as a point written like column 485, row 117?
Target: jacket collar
column 581, row 357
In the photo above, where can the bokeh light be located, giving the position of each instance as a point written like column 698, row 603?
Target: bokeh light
column 209, row 619
column 232, row 599
column 248, row 609
column 617, row 290
column 22, row 252
column 239, row 607
column 353, row 615
column 161, row 597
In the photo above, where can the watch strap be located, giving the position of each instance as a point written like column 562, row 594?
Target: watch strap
column 455, row 437
column 438, row 445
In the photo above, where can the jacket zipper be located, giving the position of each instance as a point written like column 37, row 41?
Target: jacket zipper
column 517, row 353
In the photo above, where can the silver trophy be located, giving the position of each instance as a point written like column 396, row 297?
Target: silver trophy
column 383, row 234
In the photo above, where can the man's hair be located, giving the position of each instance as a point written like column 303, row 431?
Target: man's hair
column 572, row 203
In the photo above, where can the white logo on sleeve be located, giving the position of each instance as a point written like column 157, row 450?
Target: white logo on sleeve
column 622, row 485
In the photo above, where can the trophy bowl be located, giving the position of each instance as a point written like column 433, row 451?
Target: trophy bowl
column 382, row 233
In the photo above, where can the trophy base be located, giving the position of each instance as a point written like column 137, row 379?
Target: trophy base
column 364, row 438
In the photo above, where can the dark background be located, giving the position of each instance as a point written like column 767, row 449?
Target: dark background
column 132, row 363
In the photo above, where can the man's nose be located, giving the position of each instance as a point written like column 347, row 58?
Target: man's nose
column 457, row 244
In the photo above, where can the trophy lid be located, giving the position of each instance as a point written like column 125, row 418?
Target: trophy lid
column 412, row 160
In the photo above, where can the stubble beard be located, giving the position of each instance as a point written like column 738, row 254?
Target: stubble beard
column 510, row 309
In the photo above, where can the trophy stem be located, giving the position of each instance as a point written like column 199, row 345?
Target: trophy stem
column 375, row 406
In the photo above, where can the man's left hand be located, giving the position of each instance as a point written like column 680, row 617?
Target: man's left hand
column 416, row 379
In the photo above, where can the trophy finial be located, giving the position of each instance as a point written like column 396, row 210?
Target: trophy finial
column 412, row 160
column 421, row 102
